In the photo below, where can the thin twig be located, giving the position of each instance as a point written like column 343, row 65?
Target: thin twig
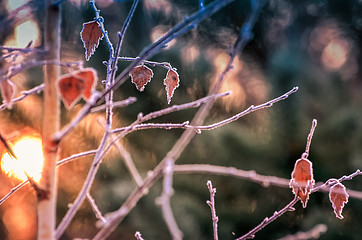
column 95, row 208
column 85, row 189
column 309, row 139
column 165, row 65
column 138, row 236
column 331, row 182
column 122, row 103
column 174, row 108
column 24, row 50
column 75, row 156
column 211, row 204
column 165, row 203
column 12, row 191
column 24, row 94
column 127, row 160
column 266, row 221
column 34, row 63
column 251, row 109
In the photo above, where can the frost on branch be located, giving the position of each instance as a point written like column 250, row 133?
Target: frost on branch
column 7, row 88
column 171, row 82
column 90, row 35
column 73, row 86
column 140, row 76
column 302, row 180
column 338, row 197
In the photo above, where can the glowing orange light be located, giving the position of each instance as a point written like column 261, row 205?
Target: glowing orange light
column 29, row 152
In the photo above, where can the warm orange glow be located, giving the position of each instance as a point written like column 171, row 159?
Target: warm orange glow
column 29, row 152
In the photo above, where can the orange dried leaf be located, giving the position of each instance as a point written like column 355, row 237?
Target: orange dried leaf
column 140, row 76
column 7, row 89
column 338, row 197
column 302, row 180
column 171, row 82
column 90, row 35
column 70, row 88
column 90, row 78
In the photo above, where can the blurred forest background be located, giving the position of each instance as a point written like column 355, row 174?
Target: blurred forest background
column 312, row 44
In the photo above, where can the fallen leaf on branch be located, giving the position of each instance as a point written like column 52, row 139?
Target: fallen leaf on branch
column 90, row 35
column 171, row 82
column 302, row 180
column 7, row 88
column 338, row 197
column 73, row 86
column 140, row 76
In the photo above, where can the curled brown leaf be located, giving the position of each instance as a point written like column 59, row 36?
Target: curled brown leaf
column 302, row 180
column 338, row 197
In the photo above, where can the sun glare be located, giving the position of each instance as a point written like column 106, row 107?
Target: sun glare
column 29, row 152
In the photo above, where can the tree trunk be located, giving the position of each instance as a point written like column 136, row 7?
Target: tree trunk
column 51, row 114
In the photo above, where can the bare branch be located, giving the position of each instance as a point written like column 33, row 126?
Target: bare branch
column 85, row 189
column 211, row 204
column 165, row 65
column 138, row 236
column 75, row 156
column 13, row 190
column 24, row 94
column 122, row 103
column 267, row 221
column 164, row 201
column 309, row 139
column 95, row 208
column 251, row 109
column 128, row 161
column 34, row 63
column 171, row 109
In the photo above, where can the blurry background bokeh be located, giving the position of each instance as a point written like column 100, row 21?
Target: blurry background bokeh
column 315, row 45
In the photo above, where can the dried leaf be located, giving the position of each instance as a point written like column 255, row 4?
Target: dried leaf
column 338, row 197
column 7, row 88
column 70, row 88
column 171, row 82
column 90, row 35
column 89, row 75
column 302, row 180
column 140, row 76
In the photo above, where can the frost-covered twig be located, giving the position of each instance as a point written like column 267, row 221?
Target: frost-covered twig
column 34, row 63
column 251, row 109
column 75, row 156
column 165, row 65
column 122, row 103
column 211, row 204
column 12, row 191
column 165, row 203
column 128, row 161
column 309, row 139
column 266, row 221
column 95, row 208
column 85, row 189
column 331, row 182
column 138, row 236
column 24, row 94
